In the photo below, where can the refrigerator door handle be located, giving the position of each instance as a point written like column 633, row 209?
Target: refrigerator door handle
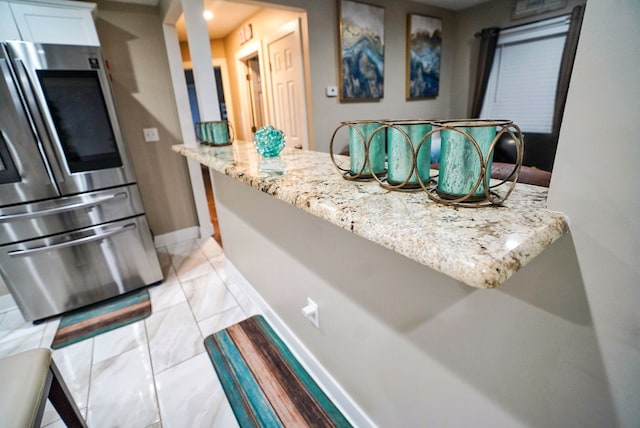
column 53, row 168
column 72, row 243
column 62, row 208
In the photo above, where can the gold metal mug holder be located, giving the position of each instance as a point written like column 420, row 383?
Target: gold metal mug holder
column 346, row 172
column 491, row 195
column 404, row 185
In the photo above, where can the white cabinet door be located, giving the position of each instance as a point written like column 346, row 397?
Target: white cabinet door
column 8, row 29
column 43, row 23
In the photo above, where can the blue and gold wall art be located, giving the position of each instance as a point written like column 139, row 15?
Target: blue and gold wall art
column 424, row 42
column 361, row 51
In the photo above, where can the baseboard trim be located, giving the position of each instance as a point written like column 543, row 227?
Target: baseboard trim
column 329, row 385
column 176, row 236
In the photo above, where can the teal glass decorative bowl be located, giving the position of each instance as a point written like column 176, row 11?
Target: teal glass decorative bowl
column 269, row 141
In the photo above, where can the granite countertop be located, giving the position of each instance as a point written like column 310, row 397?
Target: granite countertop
column 480, row 247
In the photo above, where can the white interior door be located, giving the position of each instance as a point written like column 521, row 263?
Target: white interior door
column 287, row 87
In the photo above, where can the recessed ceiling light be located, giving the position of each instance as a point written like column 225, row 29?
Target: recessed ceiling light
column 207, row 15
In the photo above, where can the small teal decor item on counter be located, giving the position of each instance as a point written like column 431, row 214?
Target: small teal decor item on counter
column 272, row 167
column 269, row 141
column 408, row 151
column 367, row 147
column 221, row 134
column 466, row 157
column 215, row 133
column 464, row 167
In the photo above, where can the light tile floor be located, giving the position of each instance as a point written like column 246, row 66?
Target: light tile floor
column 153, row 373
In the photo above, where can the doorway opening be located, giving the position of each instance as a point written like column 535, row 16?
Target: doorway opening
column 250, row 104
column 256, row 97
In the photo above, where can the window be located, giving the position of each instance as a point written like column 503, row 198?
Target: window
column 524, row 76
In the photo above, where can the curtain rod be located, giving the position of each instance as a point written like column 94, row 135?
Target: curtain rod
column 532, row 23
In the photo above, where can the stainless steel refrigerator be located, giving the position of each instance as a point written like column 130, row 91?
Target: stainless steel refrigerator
column 72, row 226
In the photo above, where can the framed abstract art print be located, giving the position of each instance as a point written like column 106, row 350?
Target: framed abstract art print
column 424, row 42
column 361, row 42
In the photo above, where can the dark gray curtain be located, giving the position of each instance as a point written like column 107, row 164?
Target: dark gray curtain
column 568, row 56
column 488, row 41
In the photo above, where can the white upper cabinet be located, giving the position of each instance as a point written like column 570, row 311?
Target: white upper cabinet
column 8, row 28
column 58, row 22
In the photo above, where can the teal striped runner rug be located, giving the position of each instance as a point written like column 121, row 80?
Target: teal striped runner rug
column 102, row 317
column 264, row 383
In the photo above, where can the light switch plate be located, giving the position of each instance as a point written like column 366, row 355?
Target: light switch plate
column 332, row 91
column 150, row 134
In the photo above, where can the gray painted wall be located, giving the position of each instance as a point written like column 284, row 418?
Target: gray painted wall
column 594, row 183
column 132, row 41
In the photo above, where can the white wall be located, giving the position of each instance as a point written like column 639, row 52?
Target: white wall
column 595, row 181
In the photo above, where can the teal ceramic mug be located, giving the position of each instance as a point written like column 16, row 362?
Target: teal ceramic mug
column 222, row 132
column 465, row 167
column 366, row 148
column 215, row 133
column 408, row 151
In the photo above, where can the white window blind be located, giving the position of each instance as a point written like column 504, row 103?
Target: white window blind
column 524, row 74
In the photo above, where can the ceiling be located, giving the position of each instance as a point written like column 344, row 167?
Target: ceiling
column 227, row 16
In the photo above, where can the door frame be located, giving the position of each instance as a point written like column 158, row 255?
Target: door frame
column 283, row 31
column 204, row 226
column 251, row 50
column 256, row 100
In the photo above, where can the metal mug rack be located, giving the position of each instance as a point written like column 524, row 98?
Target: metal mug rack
column 463, row 178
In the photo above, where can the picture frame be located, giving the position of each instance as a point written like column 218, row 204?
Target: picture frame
column 245, row 34
column 424, row 46
column 361, row 48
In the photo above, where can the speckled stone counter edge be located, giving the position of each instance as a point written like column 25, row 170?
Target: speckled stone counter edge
column 481, row 247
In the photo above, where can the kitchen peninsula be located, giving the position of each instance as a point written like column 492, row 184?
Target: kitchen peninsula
column 479, row 247
column 407, row 325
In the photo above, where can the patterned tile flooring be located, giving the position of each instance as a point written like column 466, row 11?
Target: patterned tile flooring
column 154, row 373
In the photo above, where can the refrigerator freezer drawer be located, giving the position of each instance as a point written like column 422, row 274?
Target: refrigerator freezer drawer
column 48, row 276
column 36, row 219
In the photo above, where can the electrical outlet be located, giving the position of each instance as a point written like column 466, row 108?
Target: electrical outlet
column 150, row 134
column 311, row 312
